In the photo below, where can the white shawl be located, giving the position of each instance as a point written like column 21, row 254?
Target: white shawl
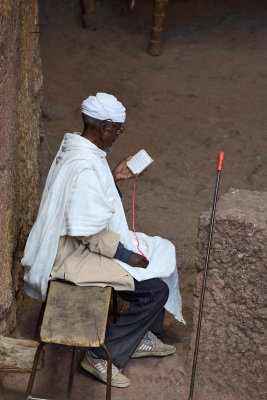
column 80, row 217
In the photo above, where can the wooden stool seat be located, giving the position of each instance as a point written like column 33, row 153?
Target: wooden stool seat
column 75, row 315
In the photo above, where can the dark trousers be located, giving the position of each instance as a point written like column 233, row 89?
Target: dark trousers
column 145, row 312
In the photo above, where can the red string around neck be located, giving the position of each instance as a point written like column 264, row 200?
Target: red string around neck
column 138, row 244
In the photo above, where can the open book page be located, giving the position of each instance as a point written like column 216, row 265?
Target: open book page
column 139, row 162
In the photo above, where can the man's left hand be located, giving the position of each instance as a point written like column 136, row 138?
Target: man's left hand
column 136, row 260
column 122, row 171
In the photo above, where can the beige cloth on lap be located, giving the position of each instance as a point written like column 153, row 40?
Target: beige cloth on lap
column 88, row 261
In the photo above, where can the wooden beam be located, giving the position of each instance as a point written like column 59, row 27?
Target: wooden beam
column 16, row 355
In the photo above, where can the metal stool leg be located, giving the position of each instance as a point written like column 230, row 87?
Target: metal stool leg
column 115, row 306
column 108, row 391
column 72, row 371
column 34, row 368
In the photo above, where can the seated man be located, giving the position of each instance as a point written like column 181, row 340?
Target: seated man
column 81, row 235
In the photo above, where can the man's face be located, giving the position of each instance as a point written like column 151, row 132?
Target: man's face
column 110, row 133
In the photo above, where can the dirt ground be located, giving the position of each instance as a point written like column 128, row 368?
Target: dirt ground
column 206, row 93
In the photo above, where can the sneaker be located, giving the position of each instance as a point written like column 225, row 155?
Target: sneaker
column 98, row 367
column 153, row 347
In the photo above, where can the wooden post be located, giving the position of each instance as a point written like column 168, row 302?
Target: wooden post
column 155, row 42
column 88, row 20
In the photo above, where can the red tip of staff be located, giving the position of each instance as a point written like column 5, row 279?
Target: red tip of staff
column 220, row 160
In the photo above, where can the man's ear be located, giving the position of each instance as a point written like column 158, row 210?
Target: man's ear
column 103, row 127
column 101, row 130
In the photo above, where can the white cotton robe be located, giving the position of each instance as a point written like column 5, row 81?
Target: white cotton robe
column 95, row 205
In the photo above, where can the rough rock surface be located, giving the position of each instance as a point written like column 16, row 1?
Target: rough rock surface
column 231, row 352
column 20, row 97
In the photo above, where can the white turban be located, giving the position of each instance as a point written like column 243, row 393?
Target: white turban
column 104, row 106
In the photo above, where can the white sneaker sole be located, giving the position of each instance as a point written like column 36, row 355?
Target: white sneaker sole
column 153, row 353
column 103, row 379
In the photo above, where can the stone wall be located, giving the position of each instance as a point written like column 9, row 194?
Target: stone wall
column 231, row 360
column 20, row 99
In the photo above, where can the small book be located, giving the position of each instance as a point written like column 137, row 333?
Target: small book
column 139, row 162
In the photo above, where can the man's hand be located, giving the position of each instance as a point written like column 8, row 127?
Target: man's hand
column 136, row 260
column 122, row 171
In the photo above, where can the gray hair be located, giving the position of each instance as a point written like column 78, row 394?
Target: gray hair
column 90, row 122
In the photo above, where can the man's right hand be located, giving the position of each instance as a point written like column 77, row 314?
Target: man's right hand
column 137, row 260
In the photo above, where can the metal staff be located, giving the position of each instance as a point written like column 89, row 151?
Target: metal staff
column 219, row 168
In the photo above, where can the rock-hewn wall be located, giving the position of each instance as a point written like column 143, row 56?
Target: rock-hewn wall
column 231, row 357
column 20, row 97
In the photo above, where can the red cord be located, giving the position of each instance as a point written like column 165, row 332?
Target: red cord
column 133, row 222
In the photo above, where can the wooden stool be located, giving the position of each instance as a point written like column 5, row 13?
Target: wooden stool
column 74, row 316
